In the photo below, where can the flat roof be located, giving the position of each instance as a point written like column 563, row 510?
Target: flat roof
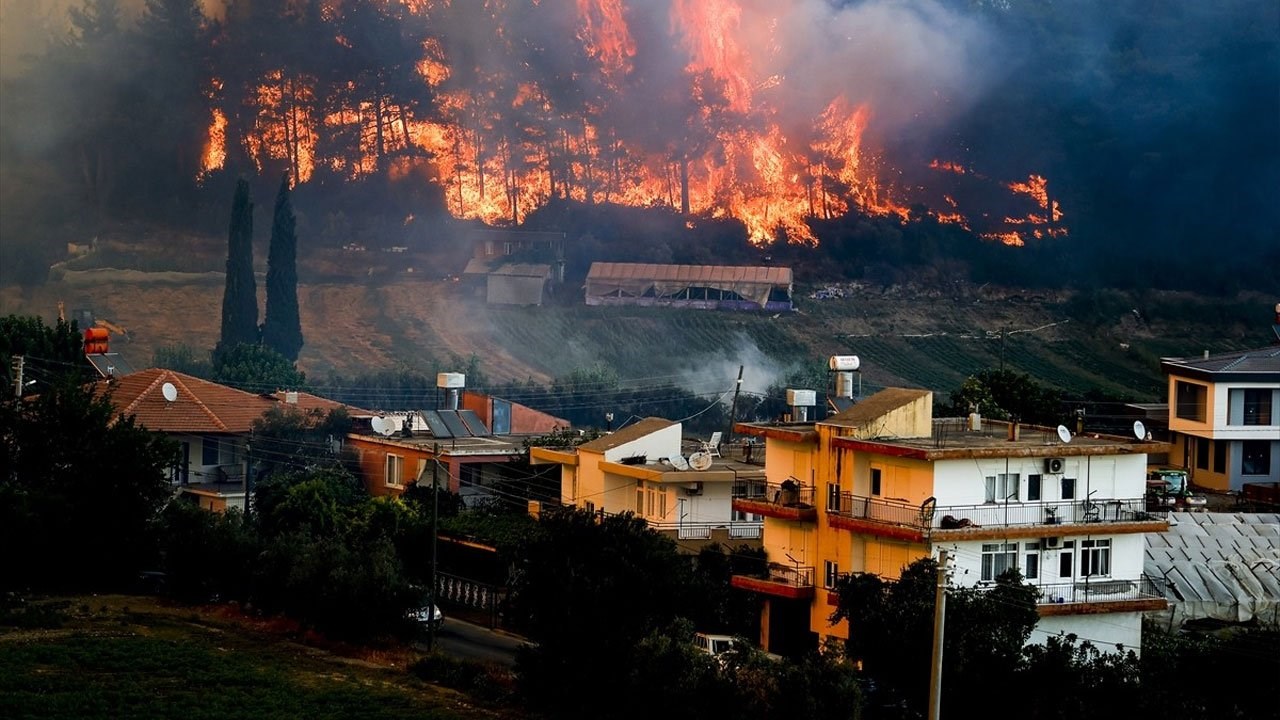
column 690, row 274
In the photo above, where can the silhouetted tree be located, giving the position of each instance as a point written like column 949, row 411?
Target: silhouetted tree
column 240, row 299
column 254, row 368
column 282, row 328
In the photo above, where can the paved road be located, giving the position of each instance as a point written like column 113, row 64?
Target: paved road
column 466, row 641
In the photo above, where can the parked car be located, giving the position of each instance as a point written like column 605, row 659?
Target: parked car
column 428, row 617
column 714, row 645
column 1168, row 489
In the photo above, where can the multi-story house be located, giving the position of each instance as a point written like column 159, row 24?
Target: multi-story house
column 883, row 483
column 1224, row 417
column 643, row 469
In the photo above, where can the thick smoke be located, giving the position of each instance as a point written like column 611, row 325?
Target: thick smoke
column 718, row 372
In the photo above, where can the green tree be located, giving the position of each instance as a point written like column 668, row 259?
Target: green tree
column 282, row 327
column 254, row 368
column 286, row 438
column 240, row 298
column 206, row 554
column 78, row 486
column 1005, row 394
column 50, row 351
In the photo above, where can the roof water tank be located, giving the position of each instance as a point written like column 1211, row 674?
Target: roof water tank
column 844, row 362
column 451, row 381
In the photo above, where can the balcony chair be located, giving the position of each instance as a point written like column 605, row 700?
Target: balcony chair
column 712, row 446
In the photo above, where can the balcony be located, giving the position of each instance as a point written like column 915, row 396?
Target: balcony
column 788, row 500
column 890, row 518
column 1100, row 595
column 784, row 581
column 719, row 531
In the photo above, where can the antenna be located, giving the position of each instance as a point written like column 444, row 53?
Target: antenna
column 1139, row 430
column 1064, row 434
column 700, row 461
column 170, row 392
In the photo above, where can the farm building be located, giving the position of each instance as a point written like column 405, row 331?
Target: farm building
column 711, row 287
column 510, row 267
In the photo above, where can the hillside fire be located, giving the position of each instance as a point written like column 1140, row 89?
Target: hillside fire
column 702, row 106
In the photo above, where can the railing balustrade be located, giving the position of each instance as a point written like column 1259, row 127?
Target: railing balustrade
column 998, row 514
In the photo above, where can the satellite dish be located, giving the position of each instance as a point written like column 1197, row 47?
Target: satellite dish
column 1064, row 434
column 383, row 425
column 170, row 392
column 678, row 462
column 1139, row 430
column 700, row 461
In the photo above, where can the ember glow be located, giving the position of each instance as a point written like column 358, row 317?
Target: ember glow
column 687, row 104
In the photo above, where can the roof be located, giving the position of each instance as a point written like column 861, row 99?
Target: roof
column 876, row 406
column 524, row 270
column 1221, row 566
column 1261, row 364
column 626, row 434
column 690, row 274
column 200, row 406
column 307, row 402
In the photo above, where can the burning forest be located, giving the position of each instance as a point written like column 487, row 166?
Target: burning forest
column 1016, row 123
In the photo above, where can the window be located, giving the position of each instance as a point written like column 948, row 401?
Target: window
column 1202, row 453
column 1219, row 457
column 998, row 557
column 743, row 516
column 875, row 482
column 422, row 470
column 1255, row 457
column 1190, row 401
column 830, row 574
column 833, row 497
column 1249, row 406
column 1066, row 566
column 1068, row 488
column 506, row 248
column 1033, row 488
column 640, row 499
column 209, row 446
column 1031, row 564
column 395, row 469
column 1002, row 487
column 1095, row 557
column 651, row 500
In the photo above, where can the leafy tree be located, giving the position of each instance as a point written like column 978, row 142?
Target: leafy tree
column 255, row 368
column 240, row 298
column 204, row 554
column 282, row 327
column 52, row 351
column 78, row 486
column 1005, row 394
column 182, row 358
column 286, row 438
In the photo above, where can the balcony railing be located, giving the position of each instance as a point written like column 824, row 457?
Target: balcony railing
column 786, row 581
column 703, row 530
column 786, row 494
column 790, row 575
column 1098, row 590
column 1008, row 514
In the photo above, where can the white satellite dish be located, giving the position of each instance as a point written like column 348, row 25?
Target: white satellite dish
column 1139, row 430
column 678, row 462
column 1064, row 434
column 700, row 461
column 170, row 392
column 382, row 425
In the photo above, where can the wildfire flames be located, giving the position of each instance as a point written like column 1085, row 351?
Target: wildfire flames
column 501, row 147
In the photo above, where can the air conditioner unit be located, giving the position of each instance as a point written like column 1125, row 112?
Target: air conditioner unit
column 693, row 488
column 1051, row 543
column 1054, row 465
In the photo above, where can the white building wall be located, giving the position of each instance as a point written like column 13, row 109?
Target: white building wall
column 657, row 445
column 1104, row 631
column 961, row 482
column 1224, row 429
column 713, row 505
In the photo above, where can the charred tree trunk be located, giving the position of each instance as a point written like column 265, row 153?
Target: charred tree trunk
column 684, row 184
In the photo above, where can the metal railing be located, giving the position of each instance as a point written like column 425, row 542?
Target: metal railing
column 703, row 530
column 786, row 494
column 1014, row 513
column 791, row 575
column 1101, row 590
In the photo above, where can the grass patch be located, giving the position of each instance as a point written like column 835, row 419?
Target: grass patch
column 116, row 663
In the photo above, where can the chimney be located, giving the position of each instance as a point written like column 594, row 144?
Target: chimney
column 452, row 385
column 1015, row 430
column 291, row 397
column 975, row 421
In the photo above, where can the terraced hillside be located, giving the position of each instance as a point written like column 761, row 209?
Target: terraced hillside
column 388, row 317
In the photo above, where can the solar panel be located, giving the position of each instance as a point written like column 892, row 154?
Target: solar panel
column 451, row 421
column 436, row 425
column 473, row 422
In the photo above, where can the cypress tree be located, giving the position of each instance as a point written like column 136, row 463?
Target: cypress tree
column 282, row 328
column 240, row 299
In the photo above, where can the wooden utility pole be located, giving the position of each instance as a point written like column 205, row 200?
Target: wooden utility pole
column 19, row 364
column 733, row 410
column 939, row 622
column 435, row 538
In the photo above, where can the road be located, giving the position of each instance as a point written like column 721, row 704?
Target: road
column 466, row 641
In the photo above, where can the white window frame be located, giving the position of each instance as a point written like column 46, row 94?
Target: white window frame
column 1002, row 488
column 393, row 470
column 1095, row 558
column 830, row 574
column 1030, row 557
column 996, row 558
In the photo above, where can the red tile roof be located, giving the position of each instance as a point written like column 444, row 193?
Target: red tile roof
column 308, row 402
column 200, row 407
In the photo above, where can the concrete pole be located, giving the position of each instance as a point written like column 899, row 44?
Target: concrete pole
column 939, row 623
column 435, row 538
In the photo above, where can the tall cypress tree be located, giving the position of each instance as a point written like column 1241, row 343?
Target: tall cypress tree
column 240, row 299
column 282, row 328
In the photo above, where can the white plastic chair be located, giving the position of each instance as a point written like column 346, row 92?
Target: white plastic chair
column 712, row 446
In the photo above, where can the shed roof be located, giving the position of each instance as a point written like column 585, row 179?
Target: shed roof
column 692, row 274
column 626, row 434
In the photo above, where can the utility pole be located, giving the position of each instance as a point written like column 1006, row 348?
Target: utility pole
column 19, row 362
column 733, row 411
column 939, row 622
column 435, row 537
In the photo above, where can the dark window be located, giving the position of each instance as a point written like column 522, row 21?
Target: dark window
column 209, row 451
column 1065, row 566
column 1033, row 488
column 1031, row 570
column 1202, row 453
column 875, row 481
column 1220, row 456
column 1191, row 401
column 833, row 497
column 1255, row 457
column 1068, row 488
column 1257, row 406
